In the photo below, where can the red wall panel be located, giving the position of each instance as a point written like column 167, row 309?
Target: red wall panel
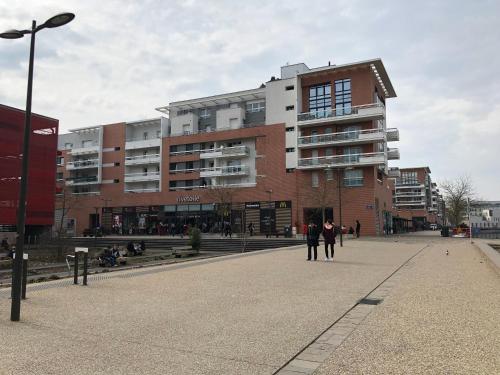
column 42, row 167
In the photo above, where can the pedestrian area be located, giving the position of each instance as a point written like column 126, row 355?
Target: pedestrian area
column 256, row 313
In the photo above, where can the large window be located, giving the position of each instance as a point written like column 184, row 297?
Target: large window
column 343, row 97
column 256, row 107
column 408, row 178
column 353, row 177
column 352, row 154
column 320, row 99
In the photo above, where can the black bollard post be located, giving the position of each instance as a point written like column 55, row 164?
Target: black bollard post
column 25, row 276
column 75, row 279
column 85, row 266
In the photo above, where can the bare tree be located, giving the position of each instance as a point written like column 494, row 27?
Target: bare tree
column 456, row 193
column 222, row 196
column 323, row 195
column 65, row 202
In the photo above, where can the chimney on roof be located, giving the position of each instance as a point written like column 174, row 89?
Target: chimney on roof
column 273, row 78
column 329, row 63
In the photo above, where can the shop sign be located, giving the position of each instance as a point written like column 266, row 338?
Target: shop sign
column 252, row 205
column 188, row 198
column 283, row 204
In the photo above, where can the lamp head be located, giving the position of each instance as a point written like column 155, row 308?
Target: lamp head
column 59, row 20
column 12, row 34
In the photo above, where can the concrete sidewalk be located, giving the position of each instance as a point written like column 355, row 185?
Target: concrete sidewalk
column 442, row 317
column 245, row 314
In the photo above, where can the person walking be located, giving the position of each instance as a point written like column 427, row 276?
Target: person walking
column 250, row 228
column 329, row 236
column 312, row 240
column 358, row 228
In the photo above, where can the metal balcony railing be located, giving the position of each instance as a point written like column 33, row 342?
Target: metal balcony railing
column 371, row 158
column 142, row 159
column 332, row 113
column 352, row 136
column 80, row 164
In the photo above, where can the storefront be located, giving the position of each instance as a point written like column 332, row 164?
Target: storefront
column 267, row 218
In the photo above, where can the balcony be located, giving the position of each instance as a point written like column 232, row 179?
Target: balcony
column 224, row 186
column 225, row 152
column 342, row 138
column 142, row 159
column 409, row 185
column 364, row 112
column 227, row 171
column 392, row 154
column 78, row 181
column 392, row 134
column 91, row 148
column 394, row 173
column 142, row 176
column 82, row 164
column 150, row 190
column 401, row 194
column 138, row 143
column 342, row 161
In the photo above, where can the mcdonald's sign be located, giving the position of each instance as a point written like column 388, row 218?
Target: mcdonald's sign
column 283, row 204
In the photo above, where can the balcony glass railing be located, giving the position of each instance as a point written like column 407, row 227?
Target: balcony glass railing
column 366, row 109
column 227, row 170
column 78, row 180
column 142, row 158
column 370, row 158
column 88, row 163
column 353, row 135
column 148, row 138
column 142, row 174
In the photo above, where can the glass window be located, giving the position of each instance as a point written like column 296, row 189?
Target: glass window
column 329, row 174
column 320, row 99
column 256, row 107
column 353, row 177
column 182, row 207
column 315, row 179
column 68, row 145
column 343, row 97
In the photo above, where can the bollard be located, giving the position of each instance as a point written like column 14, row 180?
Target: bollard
column 85, row 252
column 85, row 266
column 25, row 275
column 75, row 275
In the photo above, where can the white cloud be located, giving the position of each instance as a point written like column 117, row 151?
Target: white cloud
column 118, row 60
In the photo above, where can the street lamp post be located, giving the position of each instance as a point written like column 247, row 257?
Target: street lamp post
column 340, row 206
column 56, row 21
column 270, row 191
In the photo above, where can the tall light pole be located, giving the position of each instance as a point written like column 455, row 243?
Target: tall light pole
column 270, row 191
column 340, row 205
column 56, row 21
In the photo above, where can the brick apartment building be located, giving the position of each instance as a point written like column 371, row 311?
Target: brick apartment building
column 272, row 156
column 417, row 199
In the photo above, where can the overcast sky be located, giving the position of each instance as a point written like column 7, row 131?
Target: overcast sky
column 118, row 60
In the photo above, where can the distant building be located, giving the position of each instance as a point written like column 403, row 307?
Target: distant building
column 417, row 198
column 485, row 214
column 42, row 171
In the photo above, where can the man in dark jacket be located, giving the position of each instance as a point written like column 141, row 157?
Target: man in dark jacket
column 312, row 240
column 358, row 228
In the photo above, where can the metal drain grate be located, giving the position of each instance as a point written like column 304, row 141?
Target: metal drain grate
column 370, row 301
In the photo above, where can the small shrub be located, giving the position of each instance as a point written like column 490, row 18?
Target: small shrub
column 195, row 238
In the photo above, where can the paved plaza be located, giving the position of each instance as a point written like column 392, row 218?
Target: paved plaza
column 269, row 312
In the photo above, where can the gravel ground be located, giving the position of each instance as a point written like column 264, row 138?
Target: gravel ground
column 443, row 317
column 240, row 315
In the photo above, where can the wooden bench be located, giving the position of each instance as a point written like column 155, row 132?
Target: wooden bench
column 183, row 251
